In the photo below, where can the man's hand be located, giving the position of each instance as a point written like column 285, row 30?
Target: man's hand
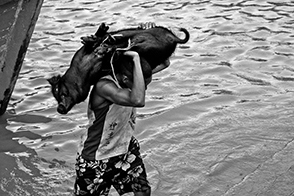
column 132, row 54
column 147, row 25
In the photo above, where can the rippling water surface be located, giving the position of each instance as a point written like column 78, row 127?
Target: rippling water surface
column 218, row 121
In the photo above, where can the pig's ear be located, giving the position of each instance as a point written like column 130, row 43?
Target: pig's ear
column 54, row 80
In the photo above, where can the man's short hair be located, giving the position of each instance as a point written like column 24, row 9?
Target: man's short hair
column 124, row 65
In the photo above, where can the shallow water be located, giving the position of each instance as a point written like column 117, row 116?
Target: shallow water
column 215, row 122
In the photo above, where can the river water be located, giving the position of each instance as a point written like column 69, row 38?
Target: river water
column 217, row 122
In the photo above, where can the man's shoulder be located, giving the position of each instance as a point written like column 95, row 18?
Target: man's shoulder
column 102, row 89
column 106, row 79
column 105, row 84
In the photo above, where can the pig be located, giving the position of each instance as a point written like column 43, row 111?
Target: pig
column 93, row 60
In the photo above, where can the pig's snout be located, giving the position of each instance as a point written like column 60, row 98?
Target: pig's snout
column 61, row 109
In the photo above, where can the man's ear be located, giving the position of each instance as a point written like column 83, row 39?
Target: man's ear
column 54, row 80
column 125, row 79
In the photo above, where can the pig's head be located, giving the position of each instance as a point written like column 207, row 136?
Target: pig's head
column 66, row 94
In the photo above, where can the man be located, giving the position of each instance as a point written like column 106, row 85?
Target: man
column 110, row 154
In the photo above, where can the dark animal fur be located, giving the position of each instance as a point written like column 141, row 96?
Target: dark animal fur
column 91, row 61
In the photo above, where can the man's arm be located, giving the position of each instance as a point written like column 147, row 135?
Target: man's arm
column 138, row 88
column 123, row 96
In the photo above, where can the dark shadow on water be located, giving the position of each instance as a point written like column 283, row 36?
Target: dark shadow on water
column 17, row 169
column 8, row 144
column 30, row 118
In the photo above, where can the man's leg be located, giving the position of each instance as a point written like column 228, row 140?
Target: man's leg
column 131, row 174
column 90, row 179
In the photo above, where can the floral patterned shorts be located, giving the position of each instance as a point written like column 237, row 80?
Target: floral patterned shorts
column 126, row 173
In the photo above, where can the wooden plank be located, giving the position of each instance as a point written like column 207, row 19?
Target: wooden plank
column 18, row 19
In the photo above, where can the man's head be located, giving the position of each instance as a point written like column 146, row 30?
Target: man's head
column 123, row 68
